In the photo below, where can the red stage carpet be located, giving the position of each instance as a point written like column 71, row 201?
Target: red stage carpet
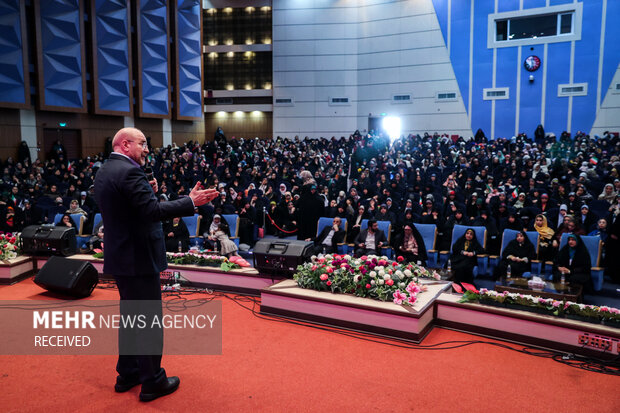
column 269, row 366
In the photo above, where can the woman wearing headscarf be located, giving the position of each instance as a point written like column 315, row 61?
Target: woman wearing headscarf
column 464, row 257
column 573, row 261
column 545, row 240
column 519, row 254
column 608, row 194
column 410, row 245
column 310, row 206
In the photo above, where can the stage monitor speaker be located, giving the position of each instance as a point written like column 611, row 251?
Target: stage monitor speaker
column 280, row 256
column 43, row 239
column 66, row 276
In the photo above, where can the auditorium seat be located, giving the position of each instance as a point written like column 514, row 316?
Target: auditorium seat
column 233, row 224
column 429, row 235
column 481, row 236
column 507, row 236
column 193, row 227
column 327, row 222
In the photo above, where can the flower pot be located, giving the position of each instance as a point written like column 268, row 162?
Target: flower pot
column 593, row 320
column 492, row 303
column 611, row 323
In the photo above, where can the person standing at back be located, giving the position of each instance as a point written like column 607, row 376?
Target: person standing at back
column 135, row 251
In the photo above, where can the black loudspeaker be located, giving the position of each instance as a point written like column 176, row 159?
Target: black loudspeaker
column 66, row 276
column 281, row 257
column 49, row 240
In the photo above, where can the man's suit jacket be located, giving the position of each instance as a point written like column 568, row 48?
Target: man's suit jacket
column 379, row 237
column 337, row 238
column 133, row 237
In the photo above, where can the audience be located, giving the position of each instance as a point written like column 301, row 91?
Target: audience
column 550, row 185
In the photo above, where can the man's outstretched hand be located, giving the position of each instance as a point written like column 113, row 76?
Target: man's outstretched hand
column 202, row 196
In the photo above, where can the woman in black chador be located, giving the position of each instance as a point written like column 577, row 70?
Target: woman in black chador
column 519, row 254
column 574, row 262
column 464, row 257
column 410, row 245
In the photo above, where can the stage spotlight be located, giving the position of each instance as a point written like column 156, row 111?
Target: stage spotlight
column 391, row 125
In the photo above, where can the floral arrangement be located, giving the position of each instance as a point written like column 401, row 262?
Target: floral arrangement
column 369, row 276
column 590, row 313
column 9, row 246
column 201, row 259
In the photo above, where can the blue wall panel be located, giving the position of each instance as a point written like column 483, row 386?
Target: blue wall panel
column 533, row 4
column 482, row 69
column 531, row 92
column 611, row 57
column 61, row 55
column 506, row 77
column 459, row 53
column 586, row 66
column 557, row 67
column 153, row 58
column 112, row 68
column 12, row 77
column 505, row 5
column 189, row 89
column 556, row 108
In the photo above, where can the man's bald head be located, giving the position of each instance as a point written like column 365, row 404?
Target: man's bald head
column 125, row 134
column 132, row 143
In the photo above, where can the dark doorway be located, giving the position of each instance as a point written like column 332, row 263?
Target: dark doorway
column 71, row 139
column 375, row 124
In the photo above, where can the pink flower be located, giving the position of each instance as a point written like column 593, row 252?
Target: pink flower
column 400, row 258
column 324, row 277
column 368, row 286
column 329, row 270
column 412, row 299
column 364, row 257
column 321, row 260
column 390, row 282
column 314, row 267
column 413, row 288
column 394, row 264
column 382, row 263
column 329, row 283
column 399, row 297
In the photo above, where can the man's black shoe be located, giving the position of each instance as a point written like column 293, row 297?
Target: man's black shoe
column 167, row 387
column 122, row 384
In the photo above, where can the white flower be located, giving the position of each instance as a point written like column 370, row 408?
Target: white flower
column 400, row 274
column 381, row 273
column 329, row 257
column 372, row 282
column 372, row 274
column 380, row 268
column 357, row 262
column 357, row 278
column 384, row 258
column 313, row 258
column 401, row 285
column 408, row 273
column 347, row 257
column 386, row 277
column 380, row 281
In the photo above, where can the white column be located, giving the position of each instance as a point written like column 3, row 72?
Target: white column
column 28, row 123
column 166, row 128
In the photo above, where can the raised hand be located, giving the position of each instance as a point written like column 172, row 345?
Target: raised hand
column 202, row 196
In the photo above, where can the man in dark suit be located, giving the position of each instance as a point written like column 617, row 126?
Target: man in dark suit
column 370, row 240
column 135, row 250
column 329, row 238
